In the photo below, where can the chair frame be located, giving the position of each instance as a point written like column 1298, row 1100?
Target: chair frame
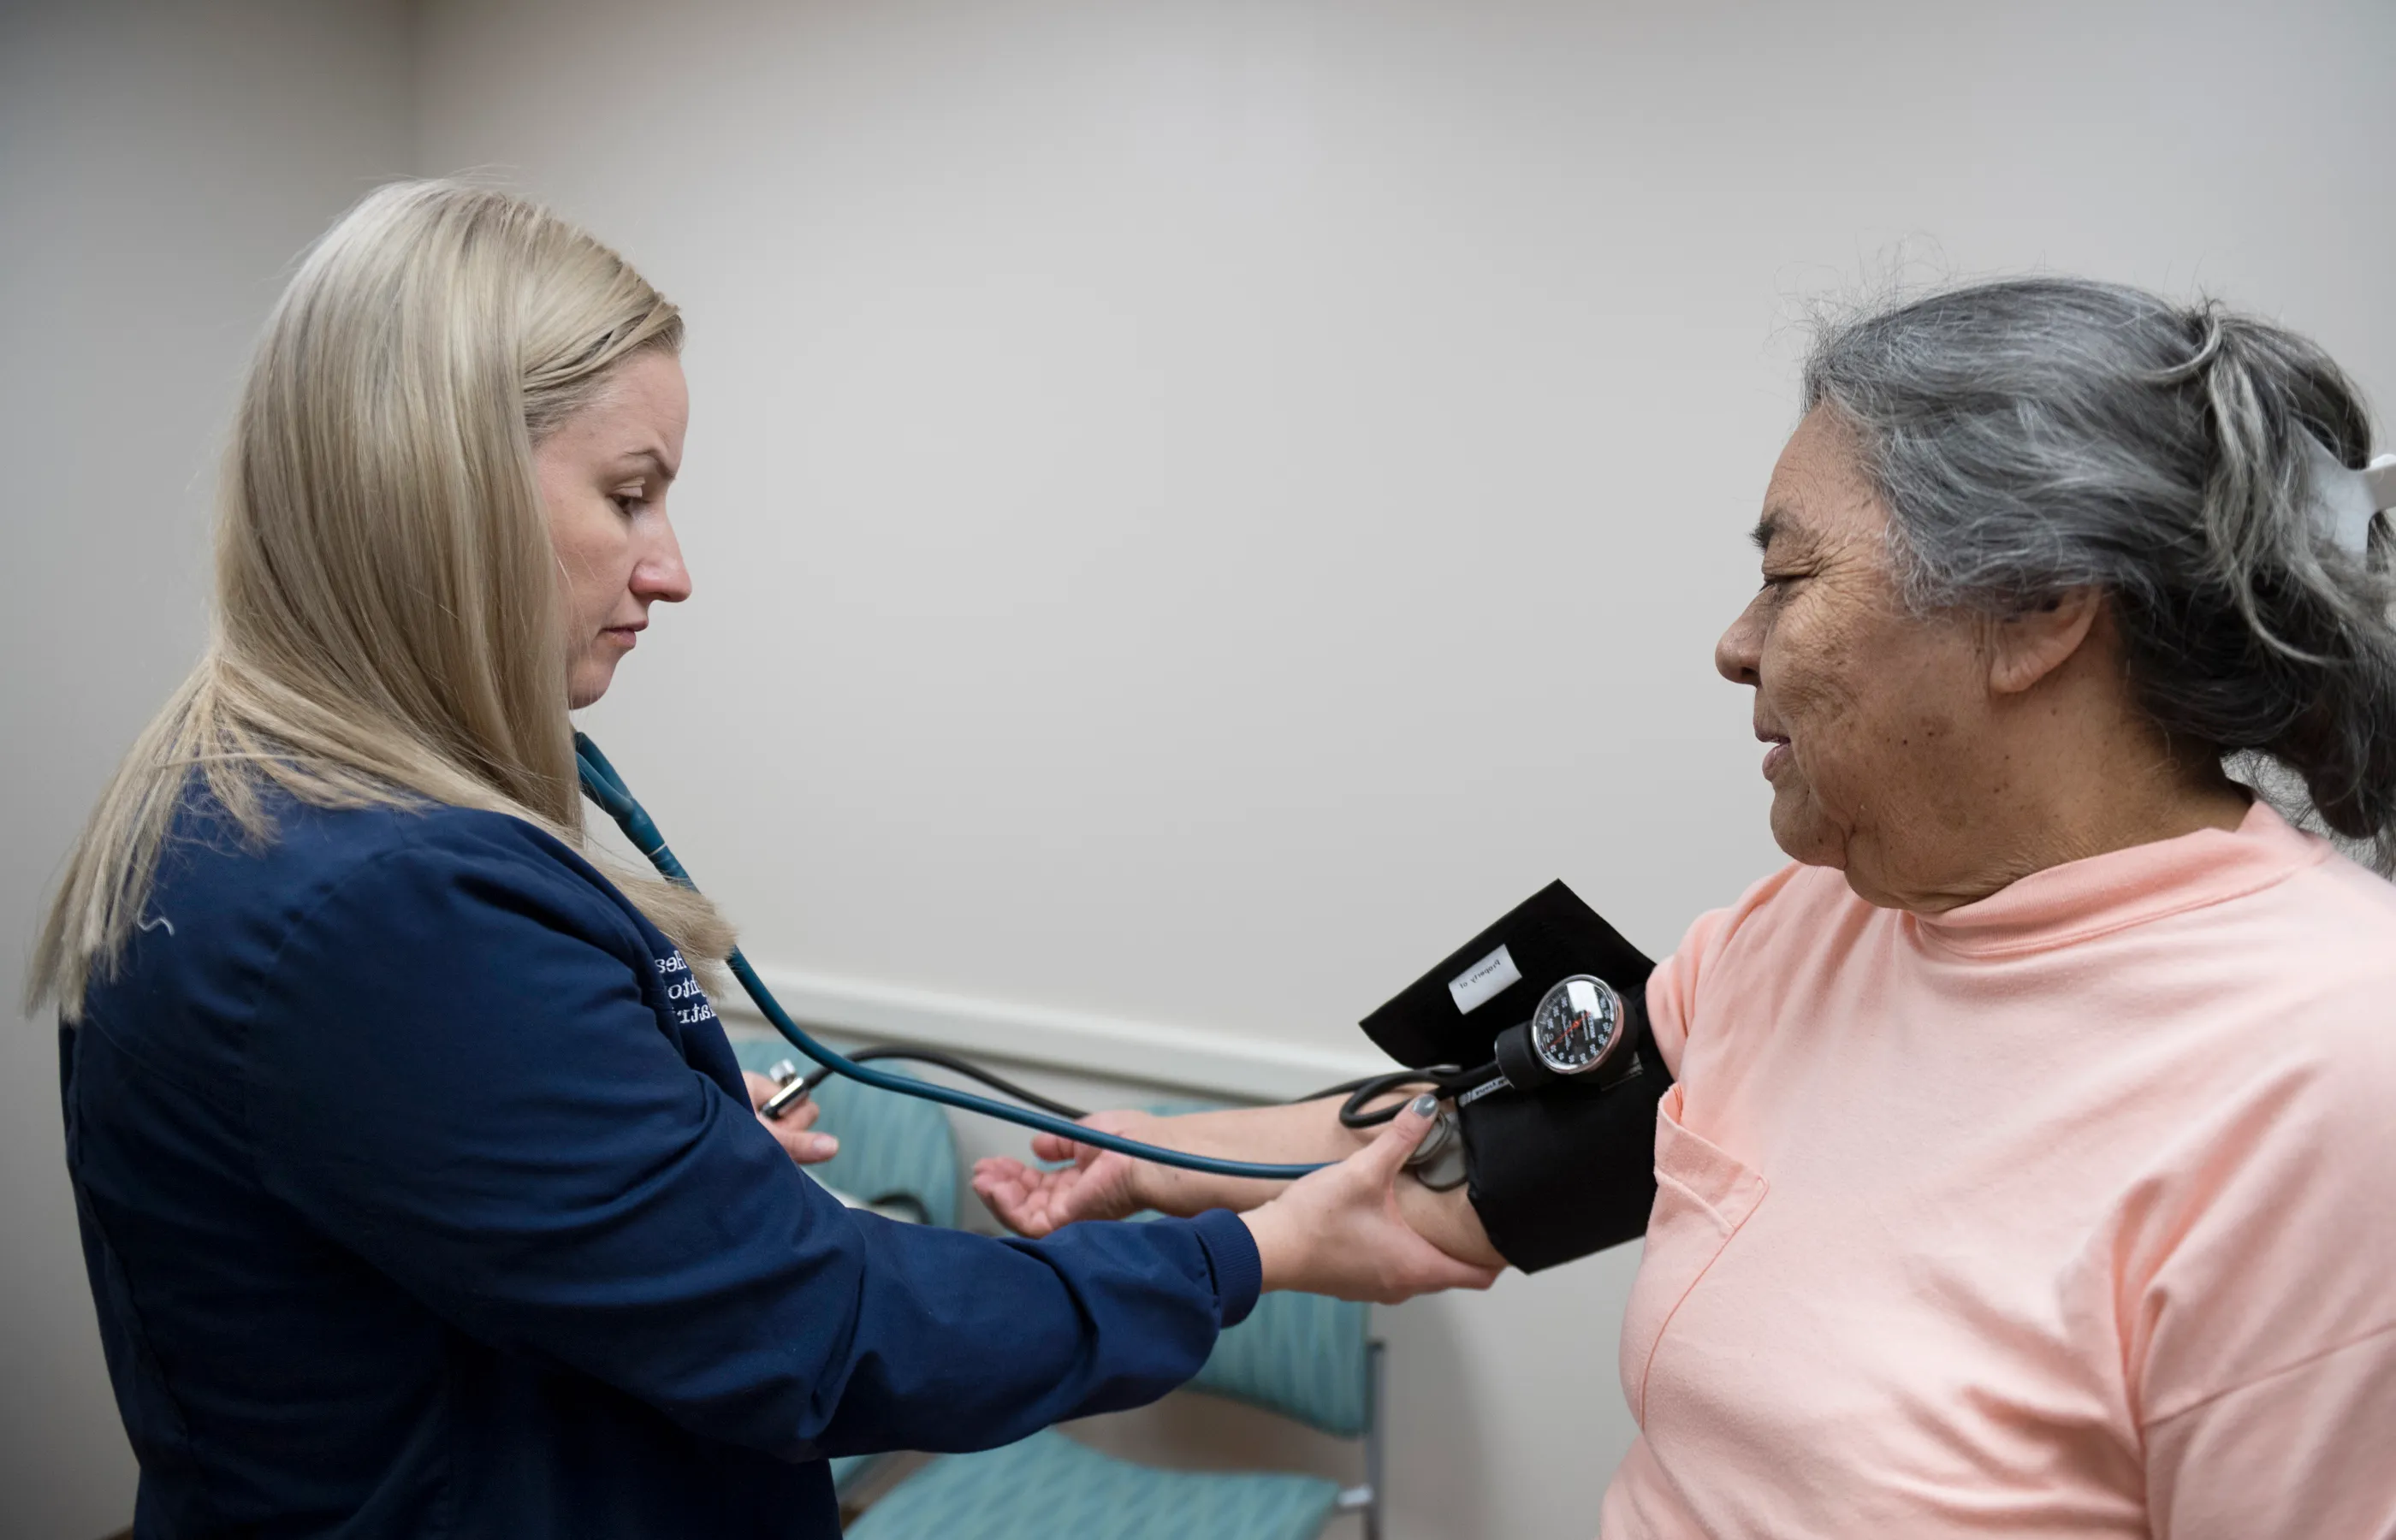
column 1367, row 1499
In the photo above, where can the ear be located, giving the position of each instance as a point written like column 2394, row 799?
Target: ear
column 2026, row 647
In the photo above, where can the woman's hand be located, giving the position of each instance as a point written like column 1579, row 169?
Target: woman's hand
column 1339, row 1231
column 790, row 1130
column 1099, row 1185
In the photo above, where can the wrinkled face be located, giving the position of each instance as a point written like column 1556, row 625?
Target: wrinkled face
column 1872, row 715
column 603, row 473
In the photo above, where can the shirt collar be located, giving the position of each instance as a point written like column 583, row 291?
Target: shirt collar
column 2080, row 901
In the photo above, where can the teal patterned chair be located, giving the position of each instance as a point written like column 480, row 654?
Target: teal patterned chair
column 896, row 1153
column 1302, row 1356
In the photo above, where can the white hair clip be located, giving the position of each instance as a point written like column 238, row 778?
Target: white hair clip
column 2344, row 500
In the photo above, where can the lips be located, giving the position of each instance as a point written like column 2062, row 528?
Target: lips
column 1777, row 752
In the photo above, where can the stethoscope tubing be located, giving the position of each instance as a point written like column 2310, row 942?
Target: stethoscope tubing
column 604, row 786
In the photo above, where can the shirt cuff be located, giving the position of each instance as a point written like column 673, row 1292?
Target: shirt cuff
column 1239, row 1272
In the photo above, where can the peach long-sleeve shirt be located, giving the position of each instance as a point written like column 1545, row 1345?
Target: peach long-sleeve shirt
column 2072, row 1211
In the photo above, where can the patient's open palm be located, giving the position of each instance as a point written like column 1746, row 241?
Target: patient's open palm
column 1030, row 1201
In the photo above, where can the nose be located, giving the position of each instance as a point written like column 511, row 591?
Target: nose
column 659, row 576
column 1739, row 650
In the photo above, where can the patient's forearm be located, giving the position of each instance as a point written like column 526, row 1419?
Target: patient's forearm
column 1448, row 1221
column 1296, row 1133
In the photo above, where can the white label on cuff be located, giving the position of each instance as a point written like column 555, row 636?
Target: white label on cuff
column 1484, row 981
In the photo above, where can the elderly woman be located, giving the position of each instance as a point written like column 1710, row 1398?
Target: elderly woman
column 2025, row 1167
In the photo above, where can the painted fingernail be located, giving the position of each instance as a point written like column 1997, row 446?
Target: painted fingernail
column 1426, row 1106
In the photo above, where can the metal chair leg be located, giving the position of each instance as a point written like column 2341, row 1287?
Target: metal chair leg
column 1368, row 1497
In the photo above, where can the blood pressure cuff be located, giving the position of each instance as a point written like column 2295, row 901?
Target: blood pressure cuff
column 1568, row 1169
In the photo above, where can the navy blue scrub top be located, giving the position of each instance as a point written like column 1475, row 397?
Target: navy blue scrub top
column 420, row 1195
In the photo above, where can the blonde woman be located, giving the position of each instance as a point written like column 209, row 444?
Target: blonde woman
column 420, row 1191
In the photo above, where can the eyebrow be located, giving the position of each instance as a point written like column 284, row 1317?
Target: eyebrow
column 665, row 472
column 1777, row 525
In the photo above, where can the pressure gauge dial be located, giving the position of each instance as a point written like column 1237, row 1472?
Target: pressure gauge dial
column 1578, row 1025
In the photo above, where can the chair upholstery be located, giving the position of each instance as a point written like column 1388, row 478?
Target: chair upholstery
column 1299, row 1354
column 1302, row 1356
column 847, row 1468
column 892, row 1148
column 1048, row 1486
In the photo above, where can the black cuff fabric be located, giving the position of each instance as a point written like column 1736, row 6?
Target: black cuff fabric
column 1570, row 1170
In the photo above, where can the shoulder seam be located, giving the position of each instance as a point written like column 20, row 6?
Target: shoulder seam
column 2250, row 1382
column 315, row 906
column 266, row 975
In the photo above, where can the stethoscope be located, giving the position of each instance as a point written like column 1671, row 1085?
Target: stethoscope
column 1576, row 1029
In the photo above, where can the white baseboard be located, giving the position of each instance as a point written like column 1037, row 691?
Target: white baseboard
column 1179, row 1058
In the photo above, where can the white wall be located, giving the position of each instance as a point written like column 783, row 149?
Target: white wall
column 160, row 164
column 1198, row 507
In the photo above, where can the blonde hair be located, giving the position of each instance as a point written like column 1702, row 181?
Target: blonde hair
column 387, row 627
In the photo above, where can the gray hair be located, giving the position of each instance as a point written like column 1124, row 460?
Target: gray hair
column 2037, row 435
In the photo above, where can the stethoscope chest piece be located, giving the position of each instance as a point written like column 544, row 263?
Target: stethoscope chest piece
column 1578, row 1030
